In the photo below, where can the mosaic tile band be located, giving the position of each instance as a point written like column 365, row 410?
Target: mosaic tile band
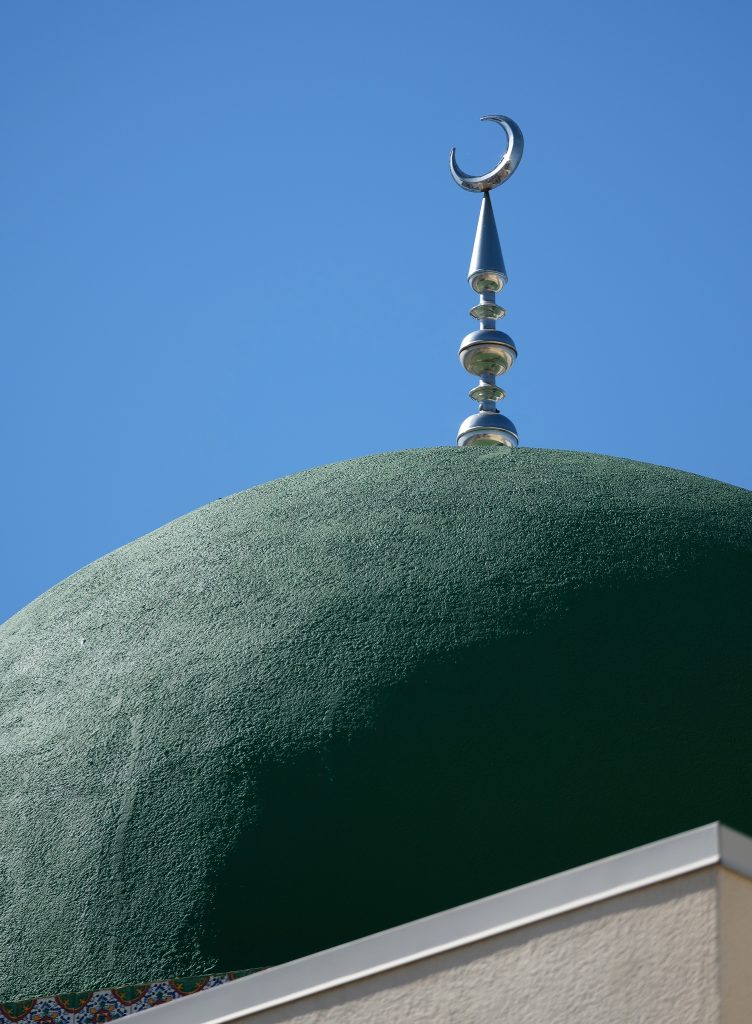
column 109, row 1004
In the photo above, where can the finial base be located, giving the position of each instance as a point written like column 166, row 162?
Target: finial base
column 487, row 428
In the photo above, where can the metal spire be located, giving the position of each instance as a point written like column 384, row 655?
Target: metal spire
column 487, row 352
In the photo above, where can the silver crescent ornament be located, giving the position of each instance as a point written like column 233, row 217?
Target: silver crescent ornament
column 505, row 167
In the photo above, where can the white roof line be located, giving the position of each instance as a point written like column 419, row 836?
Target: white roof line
column 505, row 911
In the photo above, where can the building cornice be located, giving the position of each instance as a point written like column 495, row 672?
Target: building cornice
column 591, row 883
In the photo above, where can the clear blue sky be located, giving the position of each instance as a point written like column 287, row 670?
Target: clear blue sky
column 232, row 249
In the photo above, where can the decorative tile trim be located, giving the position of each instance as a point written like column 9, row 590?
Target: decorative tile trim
column 109, row 1004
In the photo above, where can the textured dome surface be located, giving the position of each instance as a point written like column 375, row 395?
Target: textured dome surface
column 362, row 694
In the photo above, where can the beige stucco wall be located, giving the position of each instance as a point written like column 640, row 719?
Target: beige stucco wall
column 651, row 955
column 735, row 910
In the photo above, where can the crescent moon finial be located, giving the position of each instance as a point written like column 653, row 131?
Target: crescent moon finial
column 505, row 167
column 487, row 351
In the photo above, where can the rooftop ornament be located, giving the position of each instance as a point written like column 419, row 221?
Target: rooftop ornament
column 488, row 352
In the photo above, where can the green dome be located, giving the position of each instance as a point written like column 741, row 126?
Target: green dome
column 361, row 694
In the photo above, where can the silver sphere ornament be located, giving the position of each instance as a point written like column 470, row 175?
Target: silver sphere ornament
column 487, row 428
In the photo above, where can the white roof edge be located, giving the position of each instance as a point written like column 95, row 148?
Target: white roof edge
column 505, row 911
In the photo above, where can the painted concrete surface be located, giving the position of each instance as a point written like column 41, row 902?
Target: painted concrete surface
column 735, row 954
column 359, row 695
